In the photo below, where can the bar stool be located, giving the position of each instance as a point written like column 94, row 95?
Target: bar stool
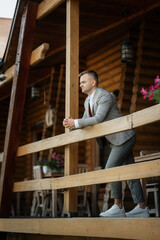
column 153, row 188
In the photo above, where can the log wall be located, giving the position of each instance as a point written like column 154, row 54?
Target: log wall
column 148, row 137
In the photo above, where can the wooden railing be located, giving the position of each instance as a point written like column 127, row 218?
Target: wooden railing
column 115, row 228
column 133, row 120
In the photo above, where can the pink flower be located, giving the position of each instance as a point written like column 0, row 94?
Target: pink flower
column 144, row 96
column 156, row 80
column 151, row 96
column 144, row 91
column 156, row 85
column 53, row 155
column 153, row 92
column 151, row 88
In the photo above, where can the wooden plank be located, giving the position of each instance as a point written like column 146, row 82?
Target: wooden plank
column 72, row 96
column 16, row 105
column 37, row 55
column 133, row 120
column 127, row 172
column 121, row 228
column 47, row 6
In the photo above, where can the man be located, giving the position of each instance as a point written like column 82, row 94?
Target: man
column 101, row 106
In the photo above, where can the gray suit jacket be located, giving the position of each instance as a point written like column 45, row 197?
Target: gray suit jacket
column 104, row 108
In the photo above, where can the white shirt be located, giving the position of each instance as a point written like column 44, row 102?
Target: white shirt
column 90, row 98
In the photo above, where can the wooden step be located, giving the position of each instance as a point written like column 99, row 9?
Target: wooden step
column 125, row 228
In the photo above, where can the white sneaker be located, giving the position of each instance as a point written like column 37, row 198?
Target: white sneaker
column 114, row 212
column 138, row 212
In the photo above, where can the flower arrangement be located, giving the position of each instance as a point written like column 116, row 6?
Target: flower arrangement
column 153, row 92
column 57, row 161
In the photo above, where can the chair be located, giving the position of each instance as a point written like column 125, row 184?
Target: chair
column 83, row 196
column 42, row 200
column 152, row 187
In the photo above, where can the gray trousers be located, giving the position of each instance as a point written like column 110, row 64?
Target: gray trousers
column 123, row 155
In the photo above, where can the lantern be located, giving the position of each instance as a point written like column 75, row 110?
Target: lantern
column 126, row 45
column 126, row 51
column 35, row 92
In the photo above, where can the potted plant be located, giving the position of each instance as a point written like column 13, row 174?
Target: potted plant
column 46, row 166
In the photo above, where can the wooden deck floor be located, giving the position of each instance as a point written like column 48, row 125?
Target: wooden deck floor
column 118, row 228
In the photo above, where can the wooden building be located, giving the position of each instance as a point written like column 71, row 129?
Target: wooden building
column 50, row 42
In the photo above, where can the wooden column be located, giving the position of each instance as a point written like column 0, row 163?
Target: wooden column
column 16, row 106
column 72, row 95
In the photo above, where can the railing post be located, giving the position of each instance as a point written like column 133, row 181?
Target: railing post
column 72, row 95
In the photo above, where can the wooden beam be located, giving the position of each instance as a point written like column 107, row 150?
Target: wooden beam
column 47, row 6
column 133, row 120
column 37, row 56
column 9, row 74
column 127, row 172
column 137, row 68
column 122, row 86
column 120, row 228
column 16, row 106
column 1, row 156
column 71, row 95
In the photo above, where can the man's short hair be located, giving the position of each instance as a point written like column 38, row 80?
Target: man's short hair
column 92, row 73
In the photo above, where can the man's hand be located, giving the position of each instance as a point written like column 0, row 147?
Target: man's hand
column 68, row 122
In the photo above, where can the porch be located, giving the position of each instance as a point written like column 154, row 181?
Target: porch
column 43, row 63
column 90, row 227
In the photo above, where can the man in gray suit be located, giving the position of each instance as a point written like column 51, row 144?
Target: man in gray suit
column 101, row 106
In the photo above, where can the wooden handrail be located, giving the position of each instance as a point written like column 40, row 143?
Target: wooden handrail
column 133, row 120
